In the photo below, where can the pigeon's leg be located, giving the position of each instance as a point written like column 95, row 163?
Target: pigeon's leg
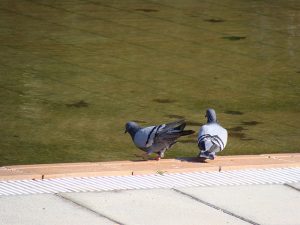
column 172, row 144
column 161, row 154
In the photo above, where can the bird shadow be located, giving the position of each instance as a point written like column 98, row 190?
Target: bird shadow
column 192, row 159
column 141, row 158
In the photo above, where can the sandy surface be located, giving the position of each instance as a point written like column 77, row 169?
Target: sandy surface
column 115, row 168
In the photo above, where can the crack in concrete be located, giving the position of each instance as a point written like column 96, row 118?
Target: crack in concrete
column 215, row 207
column 291, row 186
column 88, row 209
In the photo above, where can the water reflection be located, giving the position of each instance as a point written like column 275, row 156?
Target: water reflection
column 73, row 72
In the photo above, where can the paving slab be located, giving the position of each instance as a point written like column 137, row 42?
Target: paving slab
column 148, row 207
column 296, row 186
column 46, row 209
column 263, row 204
column 217, row 198
column 147, row 167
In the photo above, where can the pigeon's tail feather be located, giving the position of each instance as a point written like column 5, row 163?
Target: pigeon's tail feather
column 178, row 125
column 186, row 132
column 174, row 134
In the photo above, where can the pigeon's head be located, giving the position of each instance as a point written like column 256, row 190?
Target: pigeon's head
column 131, row 128
column 211, row 116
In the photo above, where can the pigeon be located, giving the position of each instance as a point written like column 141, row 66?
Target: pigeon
column 212, row 137
column 156, row 139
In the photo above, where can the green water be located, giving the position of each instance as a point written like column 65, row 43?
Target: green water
column 74, row 72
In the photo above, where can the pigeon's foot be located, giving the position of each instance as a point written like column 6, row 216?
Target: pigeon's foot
column 158, row 158
column 207, row 155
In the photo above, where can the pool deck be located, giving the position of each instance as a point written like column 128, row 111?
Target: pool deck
column 252, row 189
column 122, row 168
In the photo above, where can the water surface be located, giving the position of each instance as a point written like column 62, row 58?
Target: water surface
column 74, row 72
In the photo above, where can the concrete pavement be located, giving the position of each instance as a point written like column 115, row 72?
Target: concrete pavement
column 247, row 204
column 248, row 190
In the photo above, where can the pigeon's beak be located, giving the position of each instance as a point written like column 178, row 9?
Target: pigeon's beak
column 125, row 131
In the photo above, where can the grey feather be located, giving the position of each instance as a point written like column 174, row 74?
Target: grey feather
column 171, row 132
column 161, row 137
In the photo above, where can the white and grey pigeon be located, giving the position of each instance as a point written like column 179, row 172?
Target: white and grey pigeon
column 212, row 137
column 157, row 139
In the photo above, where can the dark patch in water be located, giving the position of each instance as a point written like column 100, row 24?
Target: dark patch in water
column 188, row 141
column 251, row 123
column 247, row 139
column 233, row 112
column 194, row 123
column 147, row 10
column 214, row 20
column 16, row 136
column 234, row 38
column 164, row 100
column 236, row 134
column 298, row 71
column 236, row 129
column 79, row 104
column 173, row 116
column 139, row 121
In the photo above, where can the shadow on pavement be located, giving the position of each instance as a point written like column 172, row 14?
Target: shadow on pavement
column 192, row 159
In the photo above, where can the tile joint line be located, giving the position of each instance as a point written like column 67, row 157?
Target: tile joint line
column 87, row 208
column 291, row 186
column 215, row 207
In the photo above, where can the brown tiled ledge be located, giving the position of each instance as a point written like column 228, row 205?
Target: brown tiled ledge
column 119, row 168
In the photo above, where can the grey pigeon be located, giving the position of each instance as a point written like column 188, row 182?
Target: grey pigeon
column 156, row 139
column 212, row 137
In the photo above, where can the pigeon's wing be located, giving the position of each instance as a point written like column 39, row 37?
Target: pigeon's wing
column 178, row 125
column 161, row 137
column 169, row 133
column 164, row 136
column 167, row 137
